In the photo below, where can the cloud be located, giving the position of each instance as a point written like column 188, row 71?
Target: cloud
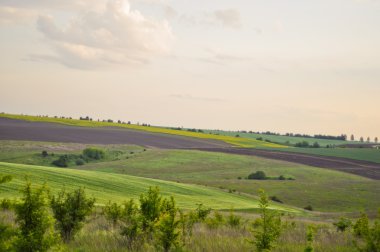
column 196, row 98
column 115, row 35
column 11, row 15
column 228, row 17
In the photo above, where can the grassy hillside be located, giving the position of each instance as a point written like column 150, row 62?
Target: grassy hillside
column 280, row 139
column 325, row 190
column 117, row 187
column 237, row 141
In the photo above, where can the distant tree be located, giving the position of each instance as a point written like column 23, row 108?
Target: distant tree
column 352, row 137
column 44, row 153
column 368, row 139
column 316, row 145
column 361, row 139
column 260, row 175
column 376, row 140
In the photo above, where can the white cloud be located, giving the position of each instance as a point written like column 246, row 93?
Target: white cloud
column 114, row 35
column 11, row 15
column 227, row 17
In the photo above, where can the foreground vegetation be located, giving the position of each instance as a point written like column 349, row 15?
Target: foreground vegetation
column 42, row 221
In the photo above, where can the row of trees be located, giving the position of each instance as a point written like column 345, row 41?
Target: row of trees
column 361, row 139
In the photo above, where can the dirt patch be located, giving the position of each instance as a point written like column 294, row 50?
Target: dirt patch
column 11, row 129
column 358, row 167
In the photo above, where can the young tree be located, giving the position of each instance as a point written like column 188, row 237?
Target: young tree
column 376, row 140
column 70, row 210
column 352, row 137
column 268, row 226
column 361, row 139
column 368, row 139
column 167, row 233
column 310, row 239
column 34, row 221
column 150, row 208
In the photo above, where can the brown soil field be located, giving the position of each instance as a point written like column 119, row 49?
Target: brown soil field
column 358, row 167
column 11, row 129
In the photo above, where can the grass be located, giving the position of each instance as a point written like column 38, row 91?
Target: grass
column 236, row 141
column 117, row 187
column 324, row 189
column 280, row 139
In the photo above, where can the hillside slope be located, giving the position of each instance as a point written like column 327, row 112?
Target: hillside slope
column 119, row 187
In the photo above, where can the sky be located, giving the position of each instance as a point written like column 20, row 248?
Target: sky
column 301, row 66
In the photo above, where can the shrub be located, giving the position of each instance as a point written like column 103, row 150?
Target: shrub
column 201, row 212
column 70, row 211
column 132, row 226
column 233, row 220
column 150, row 208
column 186, row 223
column 7, row 233
column 215, row 221
column 308, row 207
column 113, row 212
column 5, row 179
column 260, row 175
column 167, row 233
column 342, row 224
column 44, row 153
column 276, row 199
column 6, row 204
column 268, row 226
column 34, row 221
column 316, row 145
column 79, row 161
column 310, row 239
column 303, row 144
column 368, row 235
column 93, row 153
column 62, row 161
column 281, row 177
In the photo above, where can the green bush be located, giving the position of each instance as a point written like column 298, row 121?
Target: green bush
column 368, row 235
column 6, row 204
column 233, row 220
column 36, row 231
column 260, row 175
column 80, row 161
column 44, row 153
column 342, row 224
column 308, row 207
column 93, row 153
column 166, row 230
column 201, row 212
column 150, row 208
column 62, row 161
column 113, row 212
column 310, row 239
column 70, row 211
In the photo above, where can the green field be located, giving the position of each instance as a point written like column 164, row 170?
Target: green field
column 279, row 138
column 117, row 187
column 325, row 190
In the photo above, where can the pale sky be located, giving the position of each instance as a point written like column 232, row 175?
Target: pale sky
column 302, row 66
